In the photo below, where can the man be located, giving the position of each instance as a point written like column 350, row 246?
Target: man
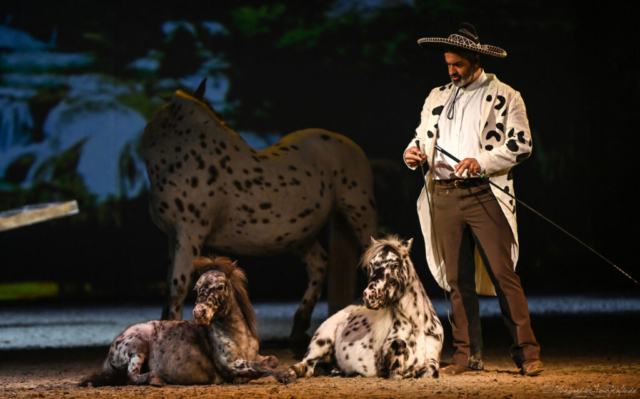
column 469, row 226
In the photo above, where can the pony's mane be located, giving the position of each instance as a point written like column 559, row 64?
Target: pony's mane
column 238, row 282
column 392, row 242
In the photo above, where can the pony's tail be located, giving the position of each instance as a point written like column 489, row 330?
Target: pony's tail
column 108, row 376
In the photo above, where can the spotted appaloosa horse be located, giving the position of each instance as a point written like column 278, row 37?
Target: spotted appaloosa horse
column 220, row 346
column 209, row 187
column 397, row 334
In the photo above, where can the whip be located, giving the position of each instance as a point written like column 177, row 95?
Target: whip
column 531, row 209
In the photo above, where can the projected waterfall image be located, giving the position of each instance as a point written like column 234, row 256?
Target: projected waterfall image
column 62, row 115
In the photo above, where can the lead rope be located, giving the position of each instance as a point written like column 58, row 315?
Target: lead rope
column 433, row 231
column 452, row 108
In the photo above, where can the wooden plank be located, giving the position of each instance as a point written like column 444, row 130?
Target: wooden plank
column 32, row 214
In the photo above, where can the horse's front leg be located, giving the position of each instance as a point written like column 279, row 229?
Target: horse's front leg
column 395, row 358
column 251, row 370
column 186, row 247
column 434, row 340
column 268, row 361
column 315, row 259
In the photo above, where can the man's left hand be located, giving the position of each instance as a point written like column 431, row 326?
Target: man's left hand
column 470, row 164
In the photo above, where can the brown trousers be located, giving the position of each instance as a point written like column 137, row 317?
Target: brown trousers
column 464, row 217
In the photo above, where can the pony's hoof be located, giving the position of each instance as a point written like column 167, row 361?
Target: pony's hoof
column 288, row 377
column 156, row 382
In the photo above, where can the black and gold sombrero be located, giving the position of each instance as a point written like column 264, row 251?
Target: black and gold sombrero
column 466, row 38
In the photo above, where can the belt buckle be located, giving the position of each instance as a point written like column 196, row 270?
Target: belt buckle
column 455, row 183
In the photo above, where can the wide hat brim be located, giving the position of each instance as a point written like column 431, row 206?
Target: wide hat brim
column 462, row 42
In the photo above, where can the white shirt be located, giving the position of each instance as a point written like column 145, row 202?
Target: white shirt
column 460, row 136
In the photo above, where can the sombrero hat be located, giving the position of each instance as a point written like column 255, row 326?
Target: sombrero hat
column 465, row 38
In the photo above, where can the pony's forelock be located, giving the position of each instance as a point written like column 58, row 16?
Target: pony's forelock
column 393, row 242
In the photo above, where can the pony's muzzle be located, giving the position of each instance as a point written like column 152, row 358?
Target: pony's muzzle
column 371, row 300
column 202, row 314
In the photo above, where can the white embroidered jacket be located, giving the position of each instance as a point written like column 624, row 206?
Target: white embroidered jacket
column 506, row 141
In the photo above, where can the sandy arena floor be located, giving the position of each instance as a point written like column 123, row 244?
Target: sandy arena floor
column 587, row 356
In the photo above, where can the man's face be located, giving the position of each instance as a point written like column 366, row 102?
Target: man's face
column 460, row 69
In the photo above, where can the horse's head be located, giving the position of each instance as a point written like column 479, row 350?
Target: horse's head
column 386, row 264
column 214, row 288
column 221, row 287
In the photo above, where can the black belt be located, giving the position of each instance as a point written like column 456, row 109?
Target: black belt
column 461, row 183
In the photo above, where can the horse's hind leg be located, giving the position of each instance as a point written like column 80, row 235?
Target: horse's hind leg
column 133, row 370
column 315, row 259
column 186, row 248
column 322, row 346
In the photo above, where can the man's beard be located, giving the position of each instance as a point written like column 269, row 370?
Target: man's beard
column 463, row 80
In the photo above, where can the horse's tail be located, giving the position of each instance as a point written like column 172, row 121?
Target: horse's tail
column 108, row 376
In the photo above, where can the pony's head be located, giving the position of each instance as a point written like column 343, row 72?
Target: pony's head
column 220, row 281
column 386, row 261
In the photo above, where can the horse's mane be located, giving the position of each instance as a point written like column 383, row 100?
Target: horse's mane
column 391, row 242
column 198, row 95
column 238, row 282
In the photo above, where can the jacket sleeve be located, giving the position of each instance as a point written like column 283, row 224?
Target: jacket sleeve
column 421, row 130
column 517, row 145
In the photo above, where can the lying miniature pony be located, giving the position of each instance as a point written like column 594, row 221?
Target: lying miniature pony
column 397, row 334
column 220, row 346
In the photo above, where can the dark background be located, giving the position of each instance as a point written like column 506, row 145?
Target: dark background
column 294, row 65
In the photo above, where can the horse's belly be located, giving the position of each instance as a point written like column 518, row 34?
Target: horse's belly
column 269, row 234
column 356, row 360
column 359, row 341
column 184, row 364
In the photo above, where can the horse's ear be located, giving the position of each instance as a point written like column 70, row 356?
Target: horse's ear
column 199, row 94
column 407, row 244
column 202, row 264
column 373, row 241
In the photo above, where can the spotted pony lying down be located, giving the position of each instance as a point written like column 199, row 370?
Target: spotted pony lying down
column 220, row 346
column 397, row 334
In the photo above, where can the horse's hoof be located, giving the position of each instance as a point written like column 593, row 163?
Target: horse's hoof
column 156, row 382
column 288, row 377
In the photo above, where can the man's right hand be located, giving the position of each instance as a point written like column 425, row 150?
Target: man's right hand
column 413, row 156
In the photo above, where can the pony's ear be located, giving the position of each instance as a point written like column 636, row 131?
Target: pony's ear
column 202, row 264
column 199, row 94
column 373, row 241
column 407, row 244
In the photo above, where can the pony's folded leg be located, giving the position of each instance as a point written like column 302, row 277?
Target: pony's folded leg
column 133, row 370
column 268, row 361
column 322, row 344
column 395, row 359
column 242, row 368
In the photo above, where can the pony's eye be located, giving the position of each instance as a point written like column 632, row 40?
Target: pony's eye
column 220, row 287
